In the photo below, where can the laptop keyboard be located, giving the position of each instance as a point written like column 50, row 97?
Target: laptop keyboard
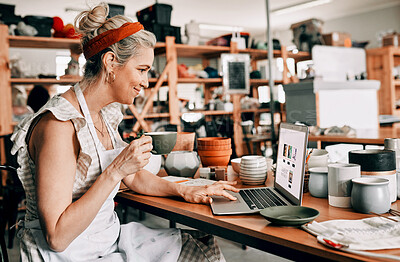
column 259, row 198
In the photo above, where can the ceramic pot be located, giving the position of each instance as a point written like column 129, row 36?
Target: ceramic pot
column 377, row 163
column 215, row 147
column 215, row 152
column 213, row 141
column 318, row 183
column 182, row 163
column 319, row 157
column 370, row 194
column 215, row 160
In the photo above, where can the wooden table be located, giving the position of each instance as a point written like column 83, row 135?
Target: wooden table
column 253, row 230
column 366, row 137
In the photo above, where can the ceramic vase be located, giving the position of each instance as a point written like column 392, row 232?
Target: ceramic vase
column 182, row 163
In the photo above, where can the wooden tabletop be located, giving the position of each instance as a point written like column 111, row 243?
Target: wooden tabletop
column 254, row 230
column 363, row 136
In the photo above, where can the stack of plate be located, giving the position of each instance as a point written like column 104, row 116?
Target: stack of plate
column 253, row 170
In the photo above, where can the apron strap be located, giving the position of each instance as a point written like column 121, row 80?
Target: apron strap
column 88, row 117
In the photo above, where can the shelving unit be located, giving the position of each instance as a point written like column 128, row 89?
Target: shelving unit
column 172, row 51
column 169, row 77
column 380, row 64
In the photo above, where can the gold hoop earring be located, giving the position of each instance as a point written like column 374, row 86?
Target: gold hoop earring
column 110, row 77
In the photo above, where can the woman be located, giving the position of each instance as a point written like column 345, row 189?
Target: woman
column 72, row 160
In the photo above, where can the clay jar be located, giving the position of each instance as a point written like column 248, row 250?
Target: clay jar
column 214, row 151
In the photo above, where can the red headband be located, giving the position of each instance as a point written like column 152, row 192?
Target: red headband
column 109, row 37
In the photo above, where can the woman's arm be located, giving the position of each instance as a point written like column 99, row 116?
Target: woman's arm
column 54, row 147
column 144, row 182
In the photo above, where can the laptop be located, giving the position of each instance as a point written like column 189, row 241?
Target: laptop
column 288, row 179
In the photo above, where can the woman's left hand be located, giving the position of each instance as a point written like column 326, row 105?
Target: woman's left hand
column 202, row 194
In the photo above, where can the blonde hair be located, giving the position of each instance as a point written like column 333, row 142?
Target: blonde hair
column 94, row 22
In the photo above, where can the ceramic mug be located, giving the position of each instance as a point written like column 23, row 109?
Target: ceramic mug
column 154, row 164
column 370, row 194
column 163, row 142
column 318, row 183
column 339, row 183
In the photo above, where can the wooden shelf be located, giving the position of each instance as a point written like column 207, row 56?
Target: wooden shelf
column 215, row 52
column 152, row 81
column 263, row 82
column 257, row 110
column 380, row 62
column 50, row 81
column 206, row 113
column 43, row 42
column 216, row 81
column 213, row 112
column 150, row 115
column 201, row 51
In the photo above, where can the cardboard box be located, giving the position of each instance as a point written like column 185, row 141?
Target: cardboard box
column 391, row 40
column 337, row 39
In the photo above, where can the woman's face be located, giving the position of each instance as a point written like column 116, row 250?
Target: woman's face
column 132, row 77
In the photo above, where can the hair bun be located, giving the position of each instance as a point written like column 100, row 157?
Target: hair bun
column 89, row 21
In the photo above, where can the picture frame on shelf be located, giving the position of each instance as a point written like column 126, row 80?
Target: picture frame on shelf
column 236, row 73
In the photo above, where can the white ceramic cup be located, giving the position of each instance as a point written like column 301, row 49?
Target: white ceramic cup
column 339, row 183
column 154, row 164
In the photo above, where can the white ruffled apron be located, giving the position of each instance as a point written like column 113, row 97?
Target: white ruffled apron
column 105, row 239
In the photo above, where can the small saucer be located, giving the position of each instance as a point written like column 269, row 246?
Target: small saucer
column 289, row 215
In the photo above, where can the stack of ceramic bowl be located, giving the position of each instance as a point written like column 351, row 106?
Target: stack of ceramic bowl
column 214, row 151
column 253, row 170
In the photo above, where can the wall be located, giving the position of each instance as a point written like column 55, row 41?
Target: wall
column 362, row 27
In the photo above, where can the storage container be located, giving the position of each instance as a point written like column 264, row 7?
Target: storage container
column 155, row 14
column 161, row 31
column 115, row 10
column 42, row 24
column 225, row 40
column 337, row 39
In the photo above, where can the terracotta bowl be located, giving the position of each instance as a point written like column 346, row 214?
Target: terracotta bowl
column 216, row 147
column 213, row 141
column 215, row 152
column 215, row 160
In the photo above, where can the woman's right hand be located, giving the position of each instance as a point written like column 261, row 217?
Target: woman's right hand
column 133, row 158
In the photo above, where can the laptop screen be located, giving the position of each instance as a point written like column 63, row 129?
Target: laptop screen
column 290, row 161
